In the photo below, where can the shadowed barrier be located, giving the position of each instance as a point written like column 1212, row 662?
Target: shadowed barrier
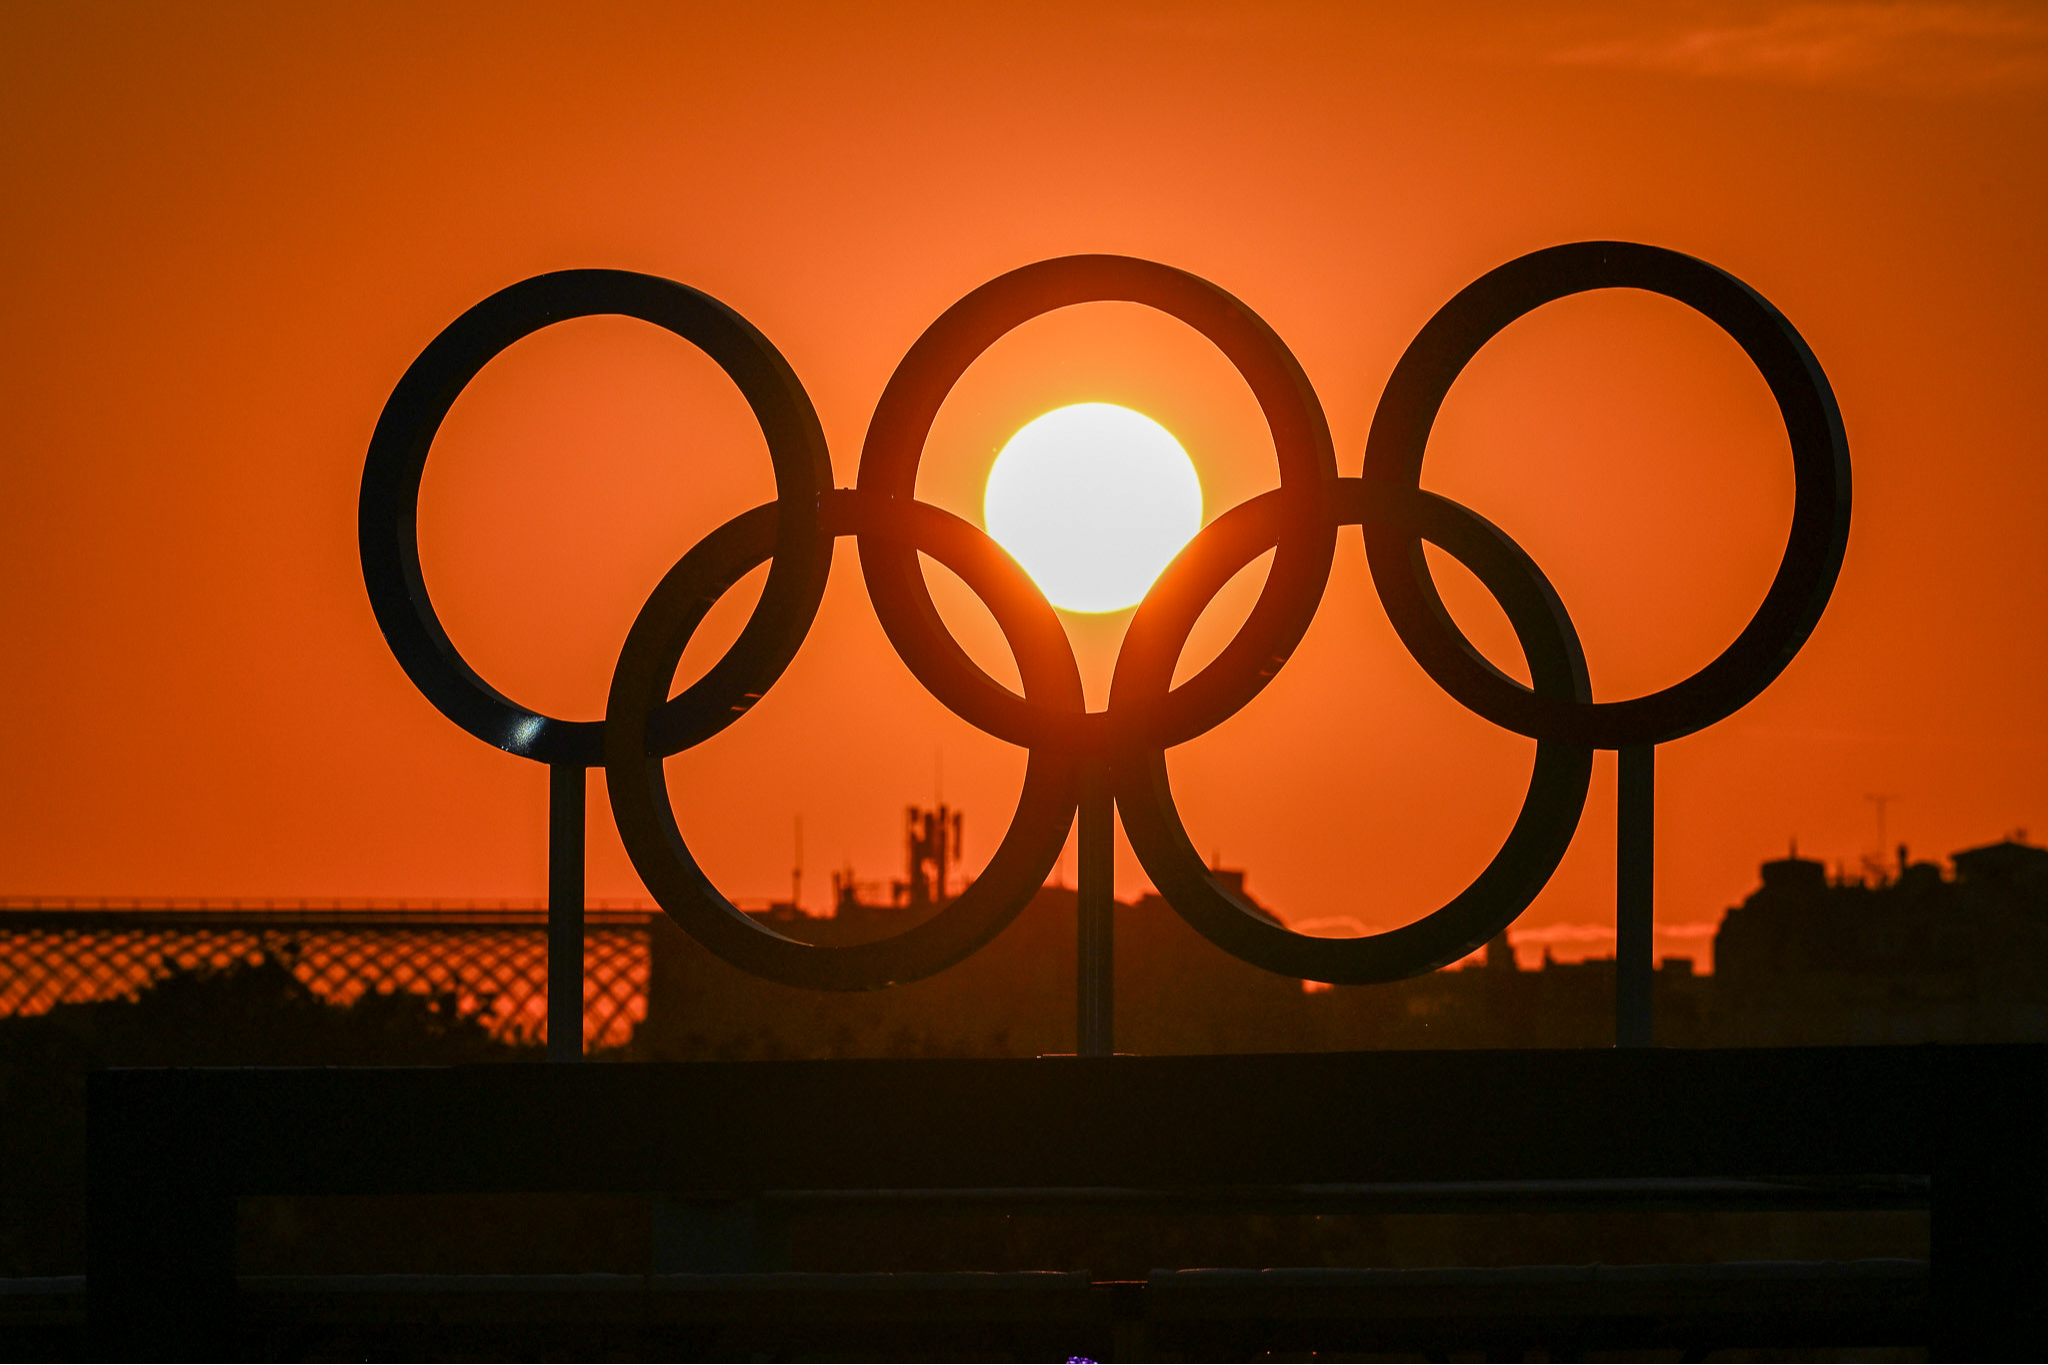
column 172, row 1150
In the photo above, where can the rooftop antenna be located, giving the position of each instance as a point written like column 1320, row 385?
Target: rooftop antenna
column 796, row 872
column 1880, row 801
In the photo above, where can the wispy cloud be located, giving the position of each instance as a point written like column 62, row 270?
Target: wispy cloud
column 1919, row 47
column 1334, row 926
column 1345, row 926
column 1599, row 933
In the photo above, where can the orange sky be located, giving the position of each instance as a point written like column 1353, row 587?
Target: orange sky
column 228, row 230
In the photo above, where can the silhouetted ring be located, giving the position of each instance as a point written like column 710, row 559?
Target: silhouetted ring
column 638, row 784
column 1534, row 846
column 1820, row 512
column 895, row 446
column 388, row 512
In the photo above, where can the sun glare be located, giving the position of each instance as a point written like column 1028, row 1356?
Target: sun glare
column 1094, row 501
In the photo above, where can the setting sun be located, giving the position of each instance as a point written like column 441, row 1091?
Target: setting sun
column 1094, row 500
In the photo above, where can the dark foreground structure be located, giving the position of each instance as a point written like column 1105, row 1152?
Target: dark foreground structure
column 734, row 1148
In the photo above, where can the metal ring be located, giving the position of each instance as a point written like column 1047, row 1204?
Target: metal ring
column 1542, row 831
column 895, row 446
column 388, row 512
column 638, row 783
column 1820, row 514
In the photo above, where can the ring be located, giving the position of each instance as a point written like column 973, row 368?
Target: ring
column 1820, row 510
column 1535, row 845
column 910, row 402
column 638, row 784
column 387, row 518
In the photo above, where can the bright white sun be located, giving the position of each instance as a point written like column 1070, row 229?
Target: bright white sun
column 1093, row 500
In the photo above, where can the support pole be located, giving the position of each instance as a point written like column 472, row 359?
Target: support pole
column 1096, row 984
column 565, row 912
column 1634, row 893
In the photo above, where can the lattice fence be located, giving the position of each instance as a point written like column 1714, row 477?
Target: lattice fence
column 495, row 963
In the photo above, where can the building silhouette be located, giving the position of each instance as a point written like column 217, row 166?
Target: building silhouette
column 1909, row 956
column 1919, row 955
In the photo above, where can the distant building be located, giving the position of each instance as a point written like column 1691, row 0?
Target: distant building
column 1914, row 957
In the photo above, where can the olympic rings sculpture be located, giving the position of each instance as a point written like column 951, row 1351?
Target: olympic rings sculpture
column 1125, row 744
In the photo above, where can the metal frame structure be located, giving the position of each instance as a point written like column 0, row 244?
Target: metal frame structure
column 1096, row 765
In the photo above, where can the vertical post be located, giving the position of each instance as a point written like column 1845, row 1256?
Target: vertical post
column 1634, row 883
column 1096, row 982
column 565, row 912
